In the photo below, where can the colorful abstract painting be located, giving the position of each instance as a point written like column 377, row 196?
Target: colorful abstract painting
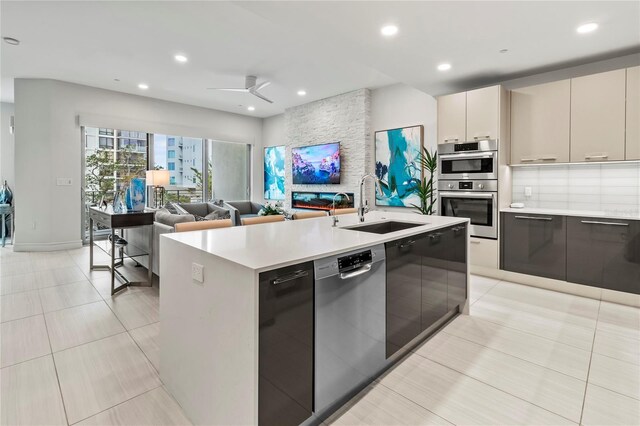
column 398, row 166
column 274, row 173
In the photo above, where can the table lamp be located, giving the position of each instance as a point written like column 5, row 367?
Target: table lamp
column 158, row 179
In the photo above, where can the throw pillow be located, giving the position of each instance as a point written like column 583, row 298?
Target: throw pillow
column 170, row 208
column 200, row 218
column 179, row 209
column 217, row 215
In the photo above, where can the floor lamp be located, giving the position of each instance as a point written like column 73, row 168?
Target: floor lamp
column 158, row 179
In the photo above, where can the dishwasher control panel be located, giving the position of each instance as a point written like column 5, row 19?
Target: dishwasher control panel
column 354, row 261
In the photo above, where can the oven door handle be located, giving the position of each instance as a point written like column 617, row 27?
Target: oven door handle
column 466, row 156
column 466, row 195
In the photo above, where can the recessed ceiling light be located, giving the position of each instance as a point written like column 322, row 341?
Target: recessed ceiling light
column 444, row 67
column 180, row 58
column 389, row 30
column 503, row 50
column 12, row 41
column 587, row 28
column 251, row 108
column 143, row 86
column 301, row 92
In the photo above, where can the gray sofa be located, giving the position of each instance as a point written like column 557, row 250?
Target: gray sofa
column 165, row 221
column 242, row 209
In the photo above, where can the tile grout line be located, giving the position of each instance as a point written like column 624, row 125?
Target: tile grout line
column 586, row 386
column 55, row 366
column 494, row 387
column 514, row 356
column 116, row 405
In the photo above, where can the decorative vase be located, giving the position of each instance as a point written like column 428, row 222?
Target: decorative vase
column 136, row 195
column 127, row 198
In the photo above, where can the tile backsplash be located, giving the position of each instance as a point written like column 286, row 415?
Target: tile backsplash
column 613, row 188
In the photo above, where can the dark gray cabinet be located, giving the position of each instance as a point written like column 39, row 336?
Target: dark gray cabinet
column 534, row 244
column 604, row 253
column 403, row 293
column 285, row 376
column 426, row 278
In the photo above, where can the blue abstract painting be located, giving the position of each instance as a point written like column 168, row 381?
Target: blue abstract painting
column 398, row 166
column 274, row 173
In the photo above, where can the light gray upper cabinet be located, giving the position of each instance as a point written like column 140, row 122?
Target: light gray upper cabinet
column 632, row 140
column 483, row 113
column 452, row 118
column 540, row 123
column 598, row 117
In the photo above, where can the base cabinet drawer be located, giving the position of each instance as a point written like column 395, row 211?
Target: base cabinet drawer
column 285, row 366
column 483, row 252
column 604, row 253
column 534, row 244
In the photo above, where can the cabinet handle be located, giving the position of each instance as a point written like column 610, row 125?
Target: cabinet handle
column 407, row 244
column 548, row 158
column 294, row 276
column 451, row 140
column 474, row 242
column 534, row 218
column 434, row 236
column 527, row 160
column 595, row 222
column 475, row 138
column 595, row 157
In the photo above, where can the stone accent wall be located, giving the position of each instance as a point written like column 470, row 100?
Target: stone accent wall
column 345, row 118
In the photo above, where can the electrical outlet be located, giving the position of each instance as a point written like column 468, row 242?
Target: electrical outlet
column 527, row 191
column 197, row 272
column 63, row 181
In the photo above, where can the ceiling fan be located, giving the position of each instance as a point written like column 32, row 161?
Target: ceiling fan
column 250, row 86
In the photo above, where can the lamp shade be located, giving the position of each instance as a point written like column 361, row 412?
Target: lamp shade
column 157, row 177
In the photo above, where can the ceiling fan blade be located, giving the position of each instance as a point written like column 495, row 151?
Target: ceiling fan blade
column 254, row 93
column 261, row 85
column 228, row 89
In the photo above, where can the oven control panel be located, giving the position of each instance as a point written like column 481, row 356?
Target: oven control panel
column 462, row 147
column 488, row 185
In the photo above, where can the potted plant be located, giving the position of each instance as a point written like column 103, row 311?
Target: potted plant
column 271, row 208
column 426, row 188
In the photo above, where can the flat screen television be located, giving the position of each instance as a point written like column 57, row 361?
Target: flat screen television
column 316, row 164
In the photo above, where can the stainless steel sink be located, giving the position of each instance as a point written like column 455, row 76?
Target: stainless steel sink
column 384, row 227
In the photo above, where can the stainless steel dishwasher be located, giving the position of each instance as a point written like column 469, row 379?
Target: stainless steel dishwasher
column 349, row 324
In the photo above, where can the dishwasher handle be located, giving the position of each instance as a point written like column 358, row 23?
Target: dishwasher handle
column 360, row 271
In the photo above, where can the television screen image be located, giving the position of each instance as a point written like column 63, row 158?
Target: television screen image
column 316, row 164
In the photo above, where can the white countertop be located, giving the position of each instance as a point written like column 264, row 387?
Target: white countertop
column 581, row 213
column 273, row 245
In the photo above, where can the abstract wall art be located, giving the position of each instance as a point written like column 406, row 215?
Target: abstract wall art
column 274, row 173
column 398, row 165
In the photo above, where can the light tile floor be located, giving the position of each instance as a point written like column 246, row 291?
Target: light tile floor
column 70, row 353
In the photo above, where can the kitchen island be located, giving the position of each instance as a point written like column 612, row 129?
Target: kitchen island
column 232, row 352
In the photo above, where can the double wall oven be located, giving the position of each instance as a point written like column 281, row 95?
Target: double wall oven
column 468, row 184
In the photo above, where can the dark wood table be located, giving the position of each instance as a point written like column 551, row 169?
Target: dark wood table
column 114, row 221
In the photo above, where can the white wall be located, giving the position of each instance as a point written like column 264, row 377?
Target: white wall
column 6, row 145
column 48, row 145
column 397, row 106
column 273, row 131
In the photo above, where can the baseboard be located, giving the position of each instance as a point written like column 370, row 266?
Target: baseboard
column 560, row 286
column 68, row 245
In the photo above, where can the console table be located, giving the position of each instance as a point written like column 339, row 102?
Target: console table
column 115, row 221
column 7, row 210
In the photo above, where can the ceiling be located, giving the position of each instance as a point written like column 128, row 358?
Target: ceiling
column 325, row 48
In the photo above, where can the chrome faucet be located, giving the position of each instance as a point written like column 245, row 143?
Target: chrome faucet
column 335, row 219
column 362, row 208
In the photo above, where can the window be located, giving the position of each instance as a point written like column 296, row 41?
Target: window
column 171, row 166
column 172, row 180
column 171, row 154
column 105, row 143
column 171, row 142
